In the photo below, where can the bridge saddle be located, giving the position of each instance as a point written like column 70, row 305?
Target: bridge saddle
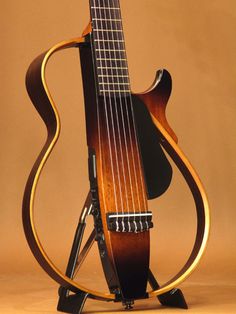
column 130, row 222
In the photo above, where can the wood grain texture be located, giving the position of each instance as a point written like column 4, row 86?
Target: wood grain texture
column 111, row 133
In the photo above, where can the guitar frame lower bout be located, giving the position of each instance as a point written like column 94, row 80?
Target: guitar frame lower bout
column 155, row 100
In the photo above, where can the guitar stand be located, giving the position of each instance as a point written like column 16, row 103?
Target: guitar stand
column 74, row 302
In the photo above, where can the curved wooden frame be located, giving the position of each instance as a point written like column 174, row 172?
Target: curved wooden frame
column 42, row 100
column 202, row 208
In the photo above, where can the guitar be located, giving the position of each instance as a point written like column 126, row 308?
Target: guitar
column 126, row 136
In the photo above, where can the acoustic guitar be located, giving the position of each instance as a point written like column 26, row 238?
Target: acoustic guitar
column 127, row 135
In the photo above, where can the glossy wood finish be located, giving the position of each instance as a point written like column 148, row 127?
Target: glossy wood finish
column 111, row 133
column 155, row 99
column 44, row 104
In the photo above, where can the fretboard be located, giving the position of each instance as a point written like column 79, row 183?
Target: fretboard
column 109, row 48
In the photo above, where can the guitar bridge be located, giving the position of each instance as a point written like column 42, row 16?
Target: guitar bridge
column 129, row 222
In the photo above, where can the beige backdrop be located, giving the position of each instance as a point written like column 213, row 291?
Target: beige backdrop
column 195, row 41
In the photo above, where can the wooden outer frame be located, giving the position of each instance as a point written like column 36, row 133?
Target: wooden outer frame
column 156, row 99
column 42, row 100
column 202, row 208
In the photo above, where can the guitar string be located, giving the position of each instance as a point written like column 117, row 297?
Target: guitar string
column 111, row 45
column 141, row 174
column 139, row 162
column 135, row 147
column 99, row 128
column 133, row 158
column 117, row 165
column 125, row 135
column 115, row 144
column 119, row 56
column 129, row 129
column 108, row 132
column 112, row 119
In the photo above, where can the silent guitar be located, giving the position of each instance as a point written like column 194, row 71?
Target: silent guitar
column 127, row 135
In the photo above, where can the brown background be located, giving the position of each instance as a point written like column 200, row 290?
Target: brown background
column 195, row 41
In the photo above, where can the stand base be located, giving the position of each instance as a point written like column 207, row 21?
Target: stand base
column 73, row 303
column 172, row 298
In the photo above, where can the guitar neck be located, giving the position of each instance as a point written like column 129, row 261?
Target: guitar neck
column 109, row 48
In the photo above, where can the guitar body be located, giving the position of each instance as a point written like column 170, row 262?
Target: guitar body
column 121, row 272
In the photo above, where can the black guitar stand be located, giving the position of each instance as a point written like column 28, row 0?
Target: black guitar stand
column 74, row 302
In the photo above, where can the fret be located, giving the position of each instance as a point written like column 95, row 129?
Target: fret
column 109, row 40
column 107, row 20
column 112, row 71
column 105, row 8
column 114, row 88
column 114, row 80
column 105, row 3
column 113, row 68
column 125, row 84
column 108, row 30
column 109, row 45
column 108, row 35
column 115, row 91
column 110, row 55
column 113, row 75
column 107, row 24
column 112, row 50
column 111, row 64
column 105, row 11
column 105, row 46
column 114, row 83
column 110, row 59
